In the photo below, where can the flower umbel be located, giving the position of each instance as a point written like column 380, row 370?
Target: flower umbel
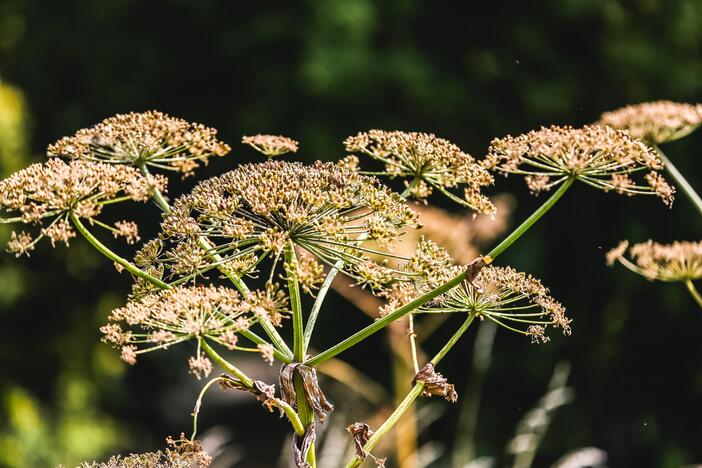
column 511, row 299
column 169, row 317
column 656, row 122
column 601, row 157
column 271, row 145
column 426, row 163
column 152, row 138
column 679, row 261
column 253, row 211
column 45, row 194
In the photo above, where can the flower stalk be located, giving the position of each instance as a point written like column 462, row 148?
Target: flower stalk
column 411, row 396
column 679, row 179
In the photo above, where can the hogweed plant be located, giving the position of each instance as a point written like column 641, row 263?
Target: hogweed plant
column 295, row 227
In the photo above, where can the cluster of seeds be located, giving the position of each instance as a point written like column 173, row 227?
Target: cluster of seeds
column 601, row 157
column 151, row 138
column 168, row 317
column 46, row 194
column 256, row 210
column 271, row 145
column 181, row 453
column 679, row 261
column 656, row 122
column 426, row 163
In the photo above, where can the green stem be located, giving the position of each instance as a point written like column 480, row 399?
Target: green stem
column 245, row 379
column 680, row 181
column 383, row 322
column 103, row 249
column 693, row 292
column 522, row 228
column 316, row 307
column 411, row 396
column 303, row 407
column 157, row 196
column 295, row 302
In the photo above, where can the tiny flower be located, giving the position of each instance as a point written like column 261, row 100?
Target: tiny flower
column 679, row 261
column 200, row 366
column 656, row 122
column 426, row 163
column 151, row 138
column 266, row 351
column 271, row 145
column 46, row 194
column 256, row 210
column 168, row 317
column 602, row 157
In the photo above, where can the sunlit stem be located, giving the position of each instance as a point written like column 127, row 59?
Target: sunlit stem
column 295, row 302
column 411, row 396
column 198, row 404
column 226, row 365
column 316, row 307
column 680, row 181
column 534, row 217
column 693, row 292
column 238, row 283
column 384, row 321
column 103, row 249
column 303, row 408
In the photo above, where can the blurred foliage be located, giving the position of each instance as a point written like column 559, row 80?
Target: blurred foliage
column 319, row 71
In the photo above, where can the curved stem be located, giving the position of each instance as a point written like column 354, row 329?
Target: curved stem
column 103, row 249
column 693, row 292
column 411, row 396
column 226, row 365
column 522, row 228
column 198, row 404
column 680, row 181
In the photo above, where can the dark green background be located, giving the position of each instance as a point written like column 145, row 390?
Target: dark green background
column 319, row 71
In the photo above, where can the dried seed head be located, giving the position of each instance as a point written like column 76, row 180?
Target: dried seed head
column 181, row 453
column 271, row 145
column 656, row 122
column 679, row 261
column 257, row 209
column 150, row 138
column 602, row 157
column 514, row 300
column 44, row 195
column 169, row 317
column 426, row 163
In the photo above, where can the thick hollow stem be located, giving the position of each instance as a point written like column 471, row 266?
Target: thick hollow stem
column 680, row 181
column 693, row 292
column 103, row 249
column 524, row 227
column 411, row 396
